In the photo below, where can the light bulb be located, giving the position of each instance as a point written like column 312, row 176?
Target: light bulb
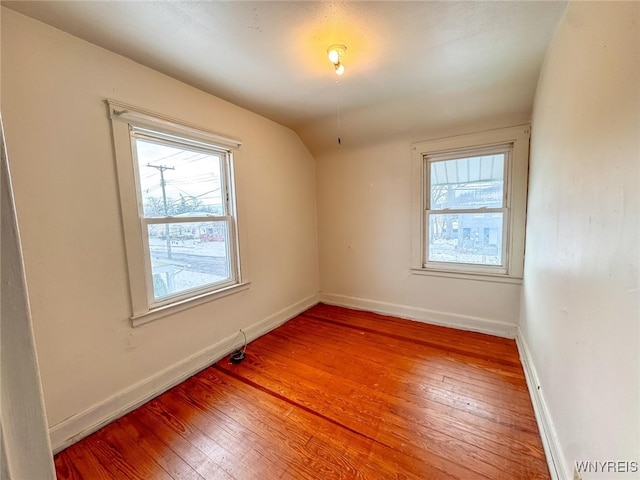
column 334, row 56
column 339, row 69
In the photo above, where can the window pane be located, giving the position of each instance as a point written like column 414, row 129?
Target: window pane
column 175, row 181
column 473, row 182
column 188, row 256
column 474, row 238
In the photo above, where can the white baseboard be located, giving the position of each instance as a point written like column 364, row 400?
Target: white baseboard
column 84, row 423
column 550, row 442
column 461, row 322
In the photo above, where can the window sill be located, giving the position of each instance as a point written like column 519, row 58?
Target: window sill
column 178, row 306
column 482, row 277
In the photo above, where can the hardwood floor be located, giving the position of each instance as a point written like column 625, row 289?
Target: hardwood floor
column 333, row 393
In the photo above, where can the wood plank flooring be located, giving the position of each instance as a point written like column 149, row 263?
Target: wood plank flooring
column 333, row 394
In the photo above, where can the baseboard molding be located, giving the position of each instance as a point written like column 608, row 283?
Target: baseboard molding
column 84, row 423
column 550, row 442
column 462, row 322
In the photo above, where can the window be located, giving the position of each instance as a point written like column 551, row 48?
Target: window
column 467, row 208
column 471, row 209
column 178, row 206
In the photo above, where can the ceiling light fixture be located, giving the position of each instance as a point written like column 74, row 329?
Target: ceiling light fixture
column 335, row 53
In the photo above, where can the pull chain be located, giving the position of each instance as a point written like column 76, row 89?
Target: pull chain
column 339, row 114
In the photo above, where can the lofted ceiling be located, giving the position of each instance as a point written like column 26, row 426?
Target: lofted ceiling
column 411, row 67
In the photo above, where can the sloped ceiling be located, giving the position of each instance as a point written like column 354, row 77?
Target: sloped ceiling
column 411, row 67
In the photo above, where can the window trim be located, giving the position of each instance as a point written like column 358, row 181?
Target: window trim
column 126, row 120
column 515, row 193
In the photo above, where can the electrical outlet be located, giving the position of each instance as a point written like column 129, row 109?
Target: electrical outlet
column 576, row 474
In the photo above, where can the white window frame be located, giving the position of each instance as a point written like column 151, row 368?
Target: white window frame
column 514, row 202
column 130, row 123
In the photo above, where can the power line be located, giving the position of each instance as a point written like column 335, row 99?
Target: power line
column 162, row 168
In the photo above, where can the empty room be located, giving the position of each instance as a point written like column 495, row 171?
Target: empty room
column 320, row 240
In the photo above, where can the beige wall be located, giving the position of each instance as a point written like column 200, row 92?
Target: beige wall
column 59, row 141
column 580, row 304
column 364, row 223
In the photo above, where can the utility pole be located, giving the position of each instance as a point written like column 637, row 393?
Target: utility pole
column 167, row 232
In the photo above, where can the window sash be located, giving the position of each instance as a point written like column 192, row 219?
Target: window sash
column 459, row 154
column 465, row 266
column 184, row 294
column 225, row 164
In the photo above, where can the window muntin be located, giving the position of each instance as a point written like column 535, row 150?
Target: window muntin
column 467, row 209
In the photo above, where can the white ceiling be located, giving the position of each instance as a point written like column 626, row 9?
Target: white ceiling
column 411, row 67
